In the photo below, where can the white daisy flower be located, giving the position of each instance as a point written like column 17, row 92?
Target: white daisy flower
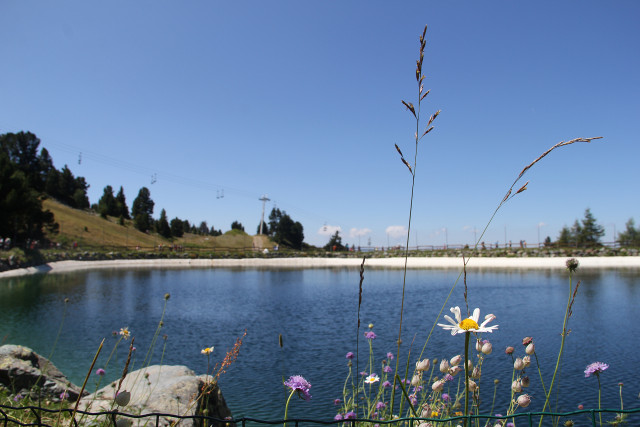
column 469, row 324
column 371, row 379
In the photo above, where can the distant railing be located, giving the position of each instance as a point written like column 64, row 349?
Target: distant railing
column 34, row 417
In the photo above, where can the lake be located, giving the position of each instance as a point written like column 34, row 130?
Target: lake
column 315, row 310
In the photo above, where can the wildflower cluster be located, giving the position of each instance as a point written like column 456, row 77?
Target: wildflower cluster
column 433, row 390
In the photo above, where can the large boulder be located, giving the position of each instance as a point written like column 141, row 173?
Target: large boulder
column 174, row 390
column 24, row 371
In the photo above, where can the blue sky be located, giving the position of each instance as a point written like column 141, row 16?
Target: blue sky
column 302, row 101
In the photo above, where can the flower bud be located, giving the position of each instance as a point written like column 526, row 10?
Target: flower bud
column 525, row 381
column 516, row 386
column 531, row 348
column 470, row 364
column 426, row 411
column 472, row 385
column 444, row 366
column 487, row 348
column 572, row 264
column 479, row 346
column 455, row 360
column 527, row 361
column 455, row 370
column 122, row 398
column 518, row 364
column 475, row 374
column 423, row 365
column 524, row 400
column 437, row 386
column 416, row 379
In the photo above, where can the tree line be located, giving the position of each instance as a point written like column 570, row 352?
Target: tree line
column 588, row 233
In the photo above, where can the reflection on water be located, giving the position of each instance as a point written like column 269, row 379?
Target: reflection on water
column 316, row 312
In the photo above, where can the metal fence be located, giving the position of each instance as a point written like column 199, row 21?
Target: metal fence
column 36, row 416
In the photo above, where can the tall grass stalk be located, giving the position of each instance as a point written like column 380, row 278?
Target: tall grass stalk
column 412, row 170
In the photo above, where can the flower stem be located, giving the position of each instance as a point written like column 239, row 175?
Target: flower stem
column 599, row 395
column 286, row 408
column 466, row 375
column 564, row 336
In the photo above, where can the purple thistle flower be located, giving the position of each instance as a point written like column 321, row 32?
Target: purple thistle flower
column 338, row 417
column 370, row 335
column 595, row 368
column 299, row 385
column 445, row 397
column 381, row 405
column 448, row 377
column 100, row 371
column 350, row 355
column 390, row 356
column 350, row 415
column 386, row 384
column 387, row 369
column 337, row 401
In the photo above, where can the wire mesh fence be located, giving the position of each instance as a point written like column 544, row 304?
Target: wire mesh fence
column 44, row 417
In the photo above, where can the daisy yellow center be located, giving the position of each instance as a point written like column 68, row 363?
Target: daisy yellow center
column 468, row 323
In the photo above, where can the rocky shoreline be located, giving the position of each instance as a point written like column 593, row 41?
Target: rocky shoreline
column 155, row 389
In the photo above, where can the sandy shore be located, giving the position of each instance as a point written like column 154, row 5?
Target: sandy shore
column 414, row 263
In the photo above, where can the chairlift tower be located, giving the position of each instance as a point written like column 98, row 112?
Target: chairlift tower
column 264, row 200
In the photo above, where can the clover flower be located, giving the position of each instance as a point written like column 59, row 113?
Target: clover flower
column 381, row 405
column 469, row 324
column 390, row 356
column 350, row 415
column 386, row 384
column 298, row 384
column 350, row 355
column 370, row 335
column 387, row 369
column 338, row 417
column 595, row 368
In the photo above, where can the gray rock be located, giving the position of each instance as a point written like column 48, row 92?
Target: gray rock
column 22, row 370
column 162, row 389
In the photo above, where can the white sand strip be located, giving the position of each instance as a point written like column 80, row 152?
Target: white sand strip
column 413, row 262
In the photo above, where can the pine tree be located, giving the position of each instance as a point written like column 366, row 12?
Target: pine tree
column 142, row 209
column 121, row 205
column 631, row 236
column 162, row 225
column 107, row 203
column 590, row 232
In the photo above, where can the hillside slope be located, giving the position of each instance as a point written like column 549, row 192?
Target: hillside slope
column 89, row 229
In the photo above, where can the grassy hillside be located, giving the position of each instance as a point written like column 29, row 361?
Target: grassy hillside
column 91, row 230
